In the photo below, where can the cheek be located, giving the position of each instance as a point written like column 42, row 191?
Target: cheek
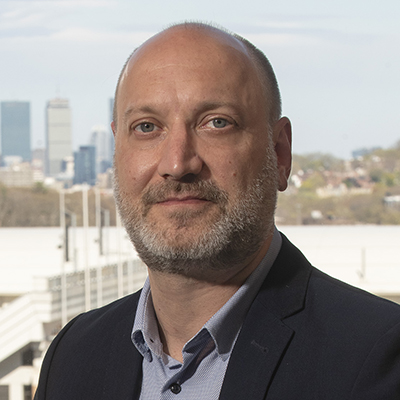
column 230, row 173
column 241, row 169
column 134, row 170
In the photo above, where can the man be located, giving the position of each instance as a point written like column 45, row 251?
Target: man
column 231, row 309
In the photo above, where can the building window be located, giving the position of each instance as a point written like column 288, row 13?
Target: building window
column 28, row 395
column 4, row 392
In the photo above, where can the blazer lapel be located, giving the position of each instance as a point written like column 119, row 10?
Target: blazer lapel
column 255, row 357
column 264, row 337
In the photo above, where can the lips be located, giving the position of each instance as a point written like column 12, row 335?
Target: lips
column 171, row 192
column 188, row 199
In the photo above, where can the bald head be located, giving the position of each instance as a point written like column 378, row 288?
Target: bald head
column 203, row 38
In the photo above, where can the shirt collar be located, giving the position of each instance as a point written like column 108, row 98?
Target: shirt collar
column 145, row 334
column 223, row 326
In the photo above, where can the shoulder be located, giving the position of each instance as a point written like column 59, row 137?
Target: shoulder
column 328, row 288
column 359, row 315
column 90, row 349
column 338, row 301
column 334, row 296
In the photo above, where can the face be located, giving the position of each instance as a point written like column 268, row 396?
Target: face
column 196, row 168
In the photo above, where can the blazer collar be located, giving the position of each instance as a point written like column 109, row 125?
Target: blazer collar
column 283, row 292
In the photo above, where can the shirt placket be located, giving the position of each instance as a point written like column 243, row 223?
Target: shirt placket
column 180, row 373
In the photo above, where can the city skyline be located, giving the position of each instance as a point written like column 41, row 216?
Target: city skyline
column 43, row 143
column 23, row 166
column 15, row 136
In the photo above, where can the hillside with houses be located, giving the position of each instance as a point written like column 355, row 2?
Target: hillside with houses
column 327, row 190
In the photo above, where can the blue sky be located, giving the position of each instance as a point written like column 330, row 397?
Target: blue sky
column 337, row 62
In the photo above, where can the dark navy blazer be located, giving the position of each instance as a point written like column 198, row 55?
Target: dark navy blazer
column 307, row 336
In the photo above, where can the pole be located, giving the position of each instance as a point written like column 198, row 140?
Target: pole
column 63, row 275
column 98, row 219
column 75, row 255
column 99, row 269
column 68, row 222
column 106, row 225
column 85, row 211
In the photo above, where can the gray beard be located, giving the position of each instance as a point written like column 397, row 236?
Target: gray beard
column 236, row 235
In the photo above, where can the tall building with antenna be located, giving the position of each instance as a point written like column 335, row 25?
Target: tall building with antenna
column 58, row 135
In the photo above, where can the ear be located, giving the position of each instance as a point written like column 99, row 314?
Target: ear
column 113, row 127
column 283, row 148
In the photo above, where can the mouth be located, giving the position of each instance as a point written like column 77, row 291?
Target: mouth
column 178, row 196
column 183, row 200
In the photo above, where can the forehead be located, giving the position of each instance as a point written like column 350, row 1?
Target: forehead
column 204, row 51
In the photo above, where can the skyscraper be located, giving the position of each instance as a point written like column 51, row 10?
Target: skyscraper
column 16, row 129
column 100, row 138
column 59, row 137
column 85, row 165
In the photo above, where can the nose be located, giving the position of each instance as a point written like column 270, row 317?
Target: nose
column 179, row 159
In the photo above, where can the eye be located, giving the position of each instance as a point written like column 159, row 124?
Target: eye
column 145, row 127
column 219, row 122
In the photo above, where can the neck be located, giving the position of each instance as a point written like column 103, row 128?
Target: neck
column 184, row 304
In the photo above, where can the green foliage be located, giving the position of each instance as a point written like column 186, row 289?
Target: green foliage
column 39, row 187
column 376, row 175
column 313, row 182
column 388, row 179
column 350, row 183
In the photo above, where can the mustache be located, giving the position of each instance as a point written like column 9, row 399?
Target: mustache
column 205, row 190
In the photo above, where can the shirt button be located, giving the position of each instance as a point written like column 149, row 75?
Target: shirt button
column 175, row 388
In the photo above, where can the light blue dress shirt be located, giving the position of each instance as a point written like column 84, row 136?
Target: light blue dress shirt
column 206, row 355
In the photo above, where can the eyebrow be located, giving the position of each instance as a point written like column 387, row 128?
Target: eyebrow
column 131, row 110
column 201, row 107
